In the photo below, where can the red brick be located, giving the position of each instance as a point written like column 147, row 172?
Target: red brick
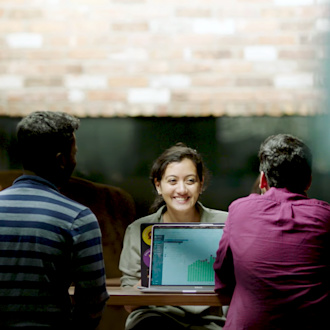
column 43, row 82
column 137, row 44
column 106, row 96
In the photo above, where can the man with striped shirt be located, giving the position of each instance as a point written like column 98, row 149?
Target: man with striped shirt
column 48, row 242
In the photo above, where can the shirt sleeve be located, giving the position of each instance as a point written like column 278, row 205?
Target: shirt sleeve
column 130, row 258
column 88, row 271
column 223, row 265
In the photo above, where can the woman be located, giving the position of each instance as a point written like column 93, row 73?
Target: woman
column 178, row 176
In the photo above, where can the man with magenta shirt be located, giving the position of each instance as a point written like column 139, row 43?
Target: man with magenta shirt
column 274, row 256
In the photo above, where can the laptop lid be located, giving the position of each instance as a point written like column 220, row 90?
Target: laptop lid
column 145, row 248
column 145, row 241
column 182, row 257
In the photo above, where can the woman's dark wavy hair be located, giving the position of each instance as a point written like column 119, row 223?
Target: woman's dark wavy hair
column 286, row 162
column 174, row 154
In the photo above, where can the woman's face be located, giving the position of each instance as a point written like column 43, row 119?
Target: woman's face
column 180, row 186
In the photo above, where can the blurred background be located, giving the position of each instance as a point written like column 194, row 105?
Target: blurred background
column 143, row 75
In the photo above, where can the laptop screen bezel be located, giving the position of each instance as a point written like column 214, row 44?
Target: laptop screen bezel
column 178, row 225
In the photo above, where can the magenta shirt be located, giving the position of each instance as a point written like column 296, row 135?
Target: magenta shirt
column 275, row 257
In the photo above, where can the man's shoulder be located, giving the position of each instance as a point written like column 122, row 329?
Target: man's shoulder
column 317, row 203
column 247, row 199
column 276, row 197
column 70, row 201
column 37, row 189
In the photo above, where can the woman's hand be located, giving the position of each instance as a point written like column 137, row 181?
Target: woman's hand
column 130, row 308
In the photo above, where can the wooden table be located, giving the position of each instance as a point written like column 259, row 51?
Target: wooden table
column 132, row 296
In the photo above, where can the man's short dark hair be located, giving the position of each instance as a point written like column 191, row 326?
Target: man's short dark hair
column 286, row 162
column 41, row 135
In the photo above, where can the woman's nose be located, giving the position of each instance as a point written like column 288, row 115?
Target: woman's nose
column 181, row 187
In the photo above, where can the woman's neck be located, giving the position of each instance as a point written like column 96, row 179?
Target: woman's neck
column 191, row 216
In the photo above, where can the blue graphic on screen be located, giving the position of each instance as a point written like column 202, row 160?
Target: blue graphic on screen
column 184, row 256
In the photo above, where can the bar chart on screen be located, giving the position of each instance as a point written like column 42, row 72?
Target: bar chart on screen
column 201, row 270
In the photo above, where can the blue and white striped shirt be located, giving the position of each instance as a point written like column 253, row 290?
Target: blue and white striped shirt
column 47, row 243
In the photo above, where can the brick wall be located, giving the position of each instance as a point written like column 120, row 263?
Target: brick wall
column 163, row 57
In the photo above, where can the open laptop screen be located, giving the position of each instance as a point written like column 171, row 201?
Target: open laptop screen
column 184, row 254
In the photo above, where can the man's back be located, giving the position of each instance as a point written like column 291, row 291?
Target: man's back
column 280, row 250
column 48, row 242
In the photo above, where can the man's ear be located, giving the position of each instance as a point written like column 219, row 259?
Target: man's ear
column 60, row 160
column 263, row 185
column 309, row 184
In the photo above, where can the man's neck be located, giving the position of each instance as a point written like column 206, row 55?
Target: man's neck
column 48, row 178
column 28, row 172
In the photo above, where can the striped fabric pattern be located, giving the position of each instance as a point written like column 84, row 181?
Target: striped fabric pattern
column 47, row 243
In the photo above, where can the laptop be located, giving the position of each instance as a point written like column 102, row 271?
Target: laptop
column 182, row 257
column 145, row 247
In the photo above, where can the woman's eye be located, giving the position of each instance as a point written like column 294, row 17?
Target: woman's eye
column 172, row 181
column 191, row 181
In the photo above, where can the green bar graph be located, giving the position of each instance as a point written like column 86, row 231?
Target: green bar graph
column 201, row 270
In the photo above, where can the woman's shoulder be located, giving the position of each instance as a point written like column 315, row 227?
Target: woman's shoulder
column 151, row 218
column 213, row 215
column 148, row 218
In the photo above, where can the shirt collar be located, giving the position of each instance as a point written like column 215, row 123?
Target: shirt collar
column 34, row 179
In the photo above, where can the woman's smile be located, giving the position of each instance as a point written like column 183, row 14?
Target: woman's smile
column 180, row 187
